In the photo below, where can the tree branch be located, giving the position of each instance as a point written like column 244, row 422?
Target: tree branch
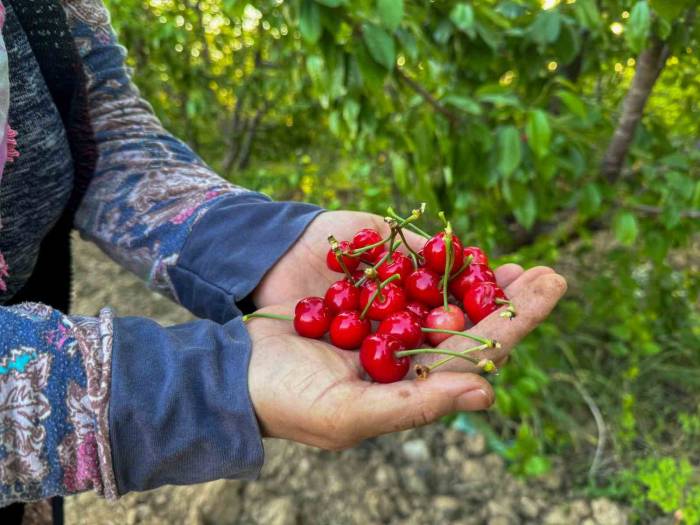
column 430, row 99
column 650, row 63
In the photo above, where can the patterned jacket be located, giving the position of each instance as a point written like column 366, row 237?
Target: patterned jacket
column 121, row 404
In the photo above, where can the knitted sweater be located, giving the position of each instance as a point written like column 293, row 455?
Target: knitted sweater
column 120, row 404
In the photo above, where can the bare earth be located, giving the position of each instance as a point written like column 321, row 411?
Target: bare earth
column 430, row 476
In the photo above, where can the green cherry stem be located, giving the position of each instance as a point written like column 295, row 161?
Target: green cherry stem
column 335, row 246
column 360, row 251
column 446, row 360
column 409, row 225
column 465, row 265
column 490, row 343
column 447, row 238
column 509, row 312
column 376, row 294
column 381, row 261
column 414, row 255
column 262, row 315
column 452, row 354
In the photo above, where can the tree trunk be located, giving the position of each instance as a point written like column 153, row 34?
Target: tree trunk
column 649, row 66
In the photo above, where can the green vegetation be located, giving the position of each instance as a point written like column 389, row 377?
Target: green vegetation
column 529, row 124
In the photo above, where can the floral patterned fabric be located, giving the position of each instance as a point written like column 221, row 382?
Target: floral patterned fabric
column 148, row 192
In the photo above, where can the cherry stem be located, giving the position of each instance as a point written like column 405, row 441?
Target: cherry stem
column 414, row 255
column 509, row 312
column 490, row 343
column 262, row 315
column 453, row 355
column 377, row 292
column 339, row 256
column 381, row 261
column 441, row 362
column 360, row 251
column 447, row 238
column 405, row 222
column 465, row 265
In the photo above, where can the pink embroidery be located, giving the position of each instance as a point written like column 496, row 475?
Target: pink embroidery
column 4, row 272
column 12, row 151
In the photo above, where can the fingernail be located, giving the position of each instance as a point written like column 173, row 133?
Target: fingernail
column 478, row 399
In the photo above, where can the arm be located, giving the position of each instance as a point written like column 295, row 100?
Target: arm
column 116, row 405
column 150, row 191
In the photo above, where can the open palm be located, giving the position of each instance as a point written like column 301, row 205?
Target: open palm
column 309, row 391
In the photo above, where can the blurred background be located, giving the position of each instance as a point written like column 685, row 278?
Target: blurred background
column 552, row 132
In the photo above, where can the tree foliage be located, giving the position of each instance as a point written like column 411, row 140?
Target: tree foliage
column 538, row 127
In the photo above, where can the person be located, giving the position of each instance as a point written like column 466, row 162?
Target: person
column 118, row 404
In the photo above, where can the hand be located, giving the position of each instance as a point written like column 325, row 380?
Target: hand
column 302, row 271
column 308, row 391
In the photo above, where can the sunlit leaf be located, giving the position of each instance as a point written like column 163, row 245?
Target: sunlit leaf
column 509, row 152
column 390, row 13
column 625, row 228
column 638, row 26
column 538, row 132
column 310, row 21
column 380, row 45
column 462, row 16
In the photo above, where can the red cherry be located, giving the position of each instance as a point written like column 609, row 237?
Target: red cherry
column 450, row 319
column 356, row 276
column 475, row 273
column 365, row 237
column 478, row 255
column 348, row 330
column 378, row 359
column 404, row 326
column 418, row 309
column 435, row 253
column 398, row 264
column 394, row 299
column 480, row 300
column 351, row 263
column 311, row 317
column 342, row 296
column 424, row 286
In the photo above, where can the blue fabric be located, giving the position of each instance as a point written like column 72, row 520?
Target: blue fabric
column 180, row 411
column 231, row 248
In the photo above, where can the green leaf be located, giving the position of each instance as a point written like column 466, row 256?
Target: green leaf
column 545, row 29
column 669, row 10
column 508, row 150
column 573, row 103
column 538, row 132
column 390, row 13
column 589, row 200
column 638, row 26
column 310, row 21
column 525, row 212
column 399, row 167
column 466, row 104
column 462, row 16
column 331, row 3
column 568, row 45
column 625, row 228
column 588, row 14
column 380, row 45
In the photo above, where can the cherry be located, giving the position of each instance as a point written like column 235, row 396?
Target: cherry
column 311, row 317
column 418, row 309
column 404, row 326
column 424, row 286
column 398, row 263
column 348, row 330
column 365, row 237
column 351, row 263
column 356, row 276
column 480, row 300
column 478, row 255
column 441, row 319
column 378, row 359
column 474, row 273
column 391, row 299
column 342, row 296
column 435, row 253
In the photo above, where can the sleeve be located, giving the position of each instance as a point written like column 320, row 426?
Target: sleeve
column 117, row 405
column 150, row 192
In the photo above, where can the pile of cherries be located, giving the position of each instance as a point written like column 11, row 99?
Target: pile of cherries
column 392, row 303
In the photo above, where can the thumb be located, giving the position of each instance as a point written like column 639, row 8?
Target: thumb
column 381, row 409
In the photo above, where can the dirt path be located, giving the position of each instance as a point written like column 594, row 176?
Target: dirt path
column 429, row 476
